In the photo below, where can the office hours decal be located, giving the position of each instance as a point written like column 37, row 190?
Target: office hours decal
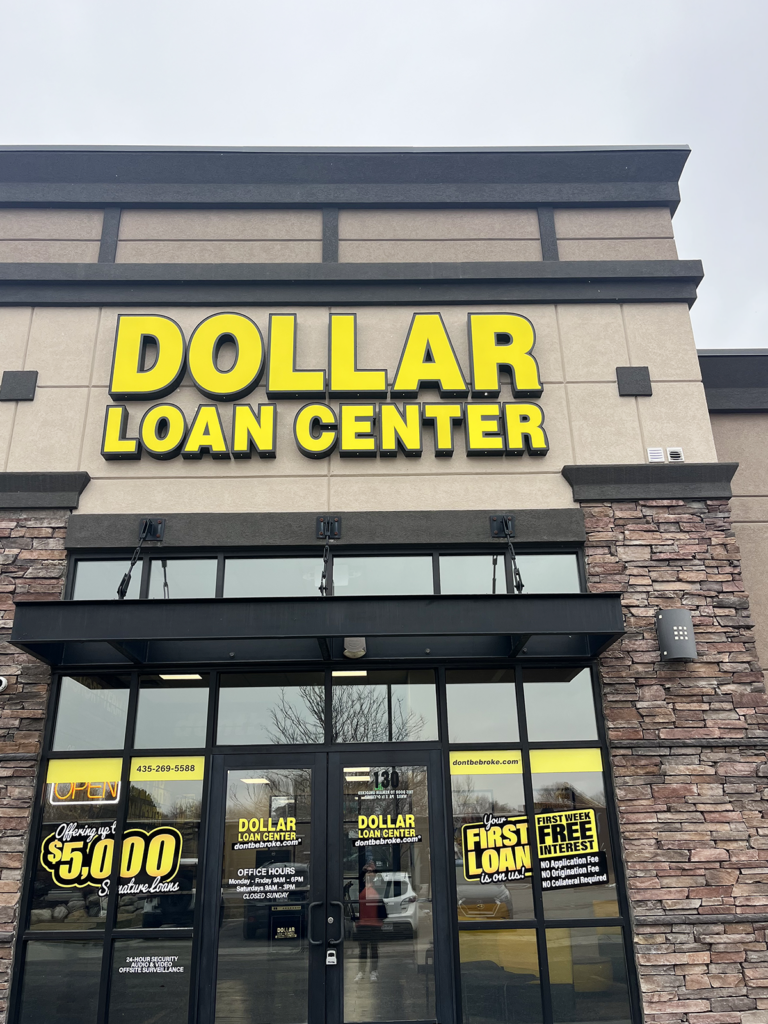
column 370, row 417
column 497, row 848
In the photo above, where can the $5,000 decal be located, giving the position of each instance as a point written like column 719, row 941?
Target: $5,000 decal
column 79, row 855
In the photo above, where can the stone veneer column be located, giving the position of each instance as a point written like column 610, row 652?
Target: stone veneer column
column 688, row 751
column 32, row 567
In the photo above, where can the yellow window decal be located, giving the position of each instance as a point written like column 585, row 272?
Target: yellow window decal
column 557, row 761
column 84, row 769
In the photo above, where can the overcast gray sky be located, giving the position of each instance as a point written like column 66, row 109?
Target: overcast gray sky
column 425, row 73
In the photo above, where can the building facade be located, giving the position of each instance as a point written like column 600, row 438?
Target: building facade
column 374, row 634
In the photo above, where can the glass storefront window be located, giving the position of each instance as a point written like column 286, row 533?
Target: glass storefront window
column 572, row 834
column 500, row 979
column 558, row 708
column 472, row 574
column 549, row 574
column 91, row 713
column 182, row 577
column 383, row 707
column 492, row 851
column 588, row 975
column 75, row 858
column 61, row 983
column 481, row 706
column 272, row 577
column 98, row 580
column 382, row 575
column 172, row 711
column 150, row 981
column 159, row 861
column 271, row 707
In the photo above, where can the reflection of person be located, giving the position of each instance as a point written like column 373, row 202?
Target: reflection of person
column 372, row 912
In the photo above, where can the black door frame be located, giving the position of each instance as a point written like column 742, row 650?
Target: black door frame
column 325, row 1003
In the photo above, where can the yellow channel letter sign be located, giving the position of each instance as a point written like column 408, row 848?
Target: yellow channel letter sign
column 152, row 357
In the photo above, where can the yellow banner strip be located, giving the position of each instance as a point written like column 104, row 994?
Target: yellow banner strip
column 486, row 762
column 560, row 761
column 173, row 768
column 85, row 769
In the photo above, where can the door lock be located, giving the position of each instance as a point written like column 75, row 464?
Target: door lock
column 330, row 958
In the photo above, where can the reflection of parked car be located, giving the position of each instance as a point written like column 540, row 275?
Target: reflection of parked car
column 478, row 902
column 401, row 902
column 174, row 909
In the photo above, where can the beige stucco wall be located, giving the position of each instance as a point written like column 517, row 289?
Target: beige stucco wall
column 743, row 438
column 220, row 236
column 50, row 236
column 443, row 236
column 615, row 234
column 578, row 348
column 381, row 236
column 365, row 236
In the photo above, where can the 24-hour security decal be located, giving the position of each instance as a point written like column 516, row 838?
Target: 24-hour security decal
column 152, row 356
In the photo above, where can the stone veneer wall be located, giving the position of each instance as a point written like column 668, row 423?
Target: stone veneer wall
column 32, row 567
column 688, row 748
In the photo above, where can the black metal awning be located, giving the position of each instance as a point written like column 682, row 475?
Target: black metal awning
column 104, row 634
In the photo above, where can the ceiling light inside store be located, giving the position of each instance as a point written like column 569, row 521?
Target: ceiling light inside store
column 253, row 782
column 357, row 770
column 351, row 672
column 192, row 675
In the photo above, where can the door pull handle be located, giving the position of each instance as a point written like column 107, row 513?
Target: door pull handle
column 310, row 939
column 336, row 903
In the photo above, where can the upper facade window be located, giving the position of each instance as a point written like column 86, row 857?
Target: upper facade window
column 97, row 579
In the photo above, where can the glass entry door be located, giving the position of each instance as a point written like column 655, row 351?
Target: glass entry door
column 332, row 891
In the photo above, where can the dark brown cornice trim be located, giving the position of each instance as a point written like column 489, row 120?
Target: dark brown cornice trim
column 125, row 176
column 41, row 490
column 621, row 483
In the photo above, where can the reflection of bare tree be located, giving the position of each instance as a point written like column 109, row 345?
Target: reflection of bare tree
column 299, row 715
column 293, row 786
column 142, row 805
column 562, row 796
column 361, row 714
column 468, row 803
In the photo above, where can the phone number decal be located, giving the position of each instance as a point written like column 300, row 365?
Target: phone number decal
column 179, row 767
